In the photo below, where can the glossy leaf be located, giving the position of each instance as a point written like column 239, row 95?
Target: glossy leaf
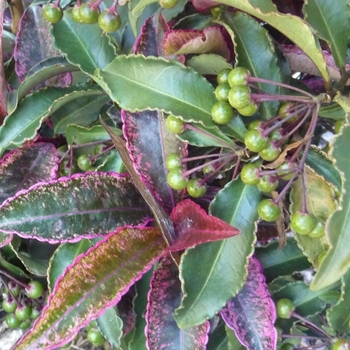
column 190, row 96
column 149, row 143
column 70, row 209
column 301, row 34
column 164, row 296
column 209, row 40
column 320, row 202
column 251, row 313
column 63, row 257
column 87, row 47
column 23, row 124
column 194, row 226
column 325, row 18
column 251, row 40
column 338, row 316
column 208, row 64
column 333, row 111
column 225, row 261
column 337, row 261
column 95, row 282
column 25, row 167
column 278, row 262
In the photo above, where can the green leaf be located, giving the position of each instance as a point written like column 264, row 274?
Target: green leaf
column 95, row 282
column 222, row 263
column 251, row 40
column 87, row 47
column 278, row 262
column 333, row 111
column 293, row 27
column 338, row 316
column 63, row 257
column 69, row 209
column 330, row 23
column 337, row 260
column 173, row 88
column 233, row 342
column 208, row 64
column 82, row 111
column 24, row 122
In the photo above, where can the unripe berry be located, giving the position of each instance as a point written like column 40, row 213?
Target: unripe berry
column 284, row 308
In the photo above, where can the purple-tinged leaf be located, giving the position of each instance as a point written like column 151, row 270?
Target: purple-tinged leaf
column 70, row 209
column 209, row 40
column 149, row 143
column 35, row 44
column 194, row 226
column 3, row 82
column 251, row 313
column 24, row 167
column 126, row 310
column 149, row 42
column 5, row 239
column 164, row 297
column 203, row 5
column 93, row 283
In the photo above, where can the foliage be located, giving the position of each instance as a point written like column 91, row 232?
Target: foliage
column 137, row 159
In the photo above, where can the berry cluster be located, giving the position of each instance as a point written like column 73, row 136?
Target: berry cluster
column 20, row 301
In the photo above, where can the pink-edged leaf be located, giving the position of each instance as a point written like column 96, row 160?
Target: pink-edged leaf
column 149, row 143
column 209, row 40
column 24, row 167
column 194, row 226
column 164, row 297
column 94, row 282
column 69, row 209
column 203, row 5
column 149, row 42
column 251, row 313
column 35, row 44
column 3, row 82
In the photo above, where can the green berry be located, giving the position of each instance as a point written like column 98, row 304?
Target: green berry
column 270, row 153
column 53, row 13
column 239, row 96
column 276, row 134
column 95, row 337
column 287, row 346
column 217, row 11
column 318, row 231
column 238, row 76
column 14, row 288
column 250, row 174
column 248, row 111
column 256, row 124
column 284, row 308
column 286, row 170
column 222, row 77
column 9, row 305
column 268, row 210
column 76, row 14
column 176, row 181
column 222, row 113
column 173, row 161
column 64, row 168
column 167, row 4
column 23, row 312
column 341, row 344
column 255, row 141
column 109, row 21
column 195, row 188
column 35, row 290
column 303, row 223
column 36, row 312
column 88, row 14
column 84, row 162
column 174, row 125
column 208, row 168
column 267, row 183
column 25, row 324
column 221, row 92
column 286, row 111
column 12, row 321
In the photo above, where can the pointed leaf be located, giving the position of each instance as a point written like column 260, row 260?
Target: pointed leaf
column 250, row 40
column 164, row 296
column 337, row 261
column 251, row 313
column 25, row 167
column 95, row 282
column 324, row 17
column 301, row 34
column 194, row 226
column 149, row 139
column 87, row 47
column 222, row 263
column 190, row 96
column 69, row 209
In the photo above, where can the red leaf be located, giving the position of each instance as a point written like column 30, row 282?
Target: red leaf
column 194, row 226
